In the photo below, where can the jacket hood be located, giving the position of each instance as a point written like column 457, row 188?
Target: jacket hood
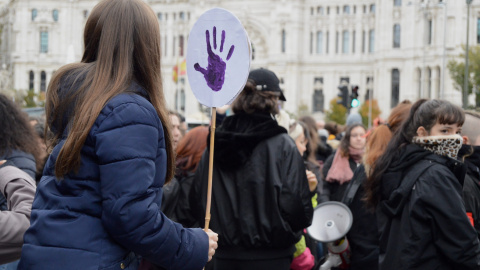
column 396, row 188
column 472, row 160
column 238, row 135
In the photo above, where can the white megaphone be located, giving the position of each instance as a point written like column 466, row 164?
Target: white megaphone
column 331, row 222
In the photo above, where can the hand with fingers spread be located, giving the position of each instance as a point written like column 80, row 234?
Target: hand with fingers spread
column 215, row 73
column 212, row 243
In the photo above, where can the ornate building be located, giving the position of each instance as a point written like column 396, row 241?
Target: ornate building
column 391, row 49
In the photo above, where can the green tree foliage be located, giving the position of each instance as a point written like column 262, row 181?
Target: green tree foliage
column 32, row 99
column 337, row 112
column 363, row 111
column 457, row 71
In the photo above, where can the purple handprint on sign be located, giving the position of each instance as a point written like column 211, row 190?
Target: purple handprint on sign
column 215, row 72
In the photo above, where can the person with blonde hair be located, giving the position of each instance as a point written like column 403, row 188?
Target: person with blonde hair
column 97, row 205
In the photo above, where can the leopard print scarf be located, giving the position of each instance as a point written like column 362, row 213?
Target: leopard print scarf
column 441, row 145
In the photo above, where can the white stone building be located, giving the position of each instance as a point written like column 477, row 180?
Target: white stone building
column 395, row 49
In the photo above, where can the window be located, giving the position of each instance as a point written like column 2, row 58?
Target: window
column 320, row 10
column 397, row 3
column 364, row 9
column 354, row 9
column 311, row 10
column 328, row 10
column 429, row 37
column 43, row 42
column 363, row 41
column 318, row 98
column 284, row 40
column 174, row 16
column 319, row 42
column 253, row 52
column 346, row 37
column 371, row 44
column 396, row 36
column 429, row 82
column 43, row 81
column 55, row 15
column 372, row 8
column 159, row 16
column 181, row 16
column 174, row 48
column 31, row 80
column 166, row 16
column 395, row 88
column 346, row 9
column 85, row 13
column 336, row 41
column 34, row 14
column 311, row 42
column 353, row 41
column 338, row 10
column 326, row 43
column 478, row 30
column 180, row 41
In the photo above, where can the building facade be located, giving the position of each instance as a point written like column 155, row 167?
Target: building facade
column 391, row 49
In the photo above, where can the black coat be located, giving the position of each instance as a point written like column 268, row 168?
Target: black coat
column 260, row 199
column 363, row 235
column 471, row 187
column 333, row 191
column 422, row 220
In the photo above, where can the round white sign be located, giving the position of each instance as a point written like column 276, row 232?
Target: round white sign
column 218, row 58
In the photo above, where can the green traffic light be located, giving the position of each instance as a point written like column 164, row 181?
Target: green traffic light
column 355, row 103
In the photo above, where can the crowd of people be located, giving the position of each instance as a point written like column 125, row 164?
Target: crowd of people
column 111, row 179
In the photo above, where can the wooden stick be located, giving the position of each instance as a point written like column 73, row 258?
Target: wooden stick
column 210, row 168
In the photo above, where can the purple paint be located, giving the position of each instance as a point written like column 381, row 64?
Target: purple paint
column 223, row 41
column 215, row 73
column 215, row 37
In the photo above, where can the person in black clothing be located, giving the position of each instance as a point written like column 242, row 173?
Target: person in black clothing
column 471, row 151
column 339, row 167
column 363, row 235
column 261, row 200
column 415, row 187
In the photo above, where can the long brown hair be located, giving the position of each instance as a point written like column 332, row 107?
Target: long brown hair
column 191, row 148
column 16, row 133
column 122, row 45
column 377, row 140
column 425, row 113
column 345, row 142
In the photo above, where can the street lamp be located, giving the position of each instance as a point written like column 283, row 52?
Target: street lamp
column 465, row 78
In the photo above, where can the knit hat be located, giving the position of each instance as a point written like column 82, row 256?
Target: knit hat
column 354, row 118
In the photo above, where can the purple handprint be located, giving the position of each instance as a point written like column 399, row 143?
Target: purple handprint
column 215, row 72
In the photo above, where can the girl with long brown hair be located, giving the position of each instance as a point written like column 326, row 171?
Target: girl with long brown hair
column 98, row 203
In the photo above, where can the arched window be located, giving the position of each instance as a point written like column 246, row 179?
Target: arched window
column 44, row 42
column 159, row 16
column 346, row 41
column 372, row 8
column 346, row 9
column 284, row 40
column 395, row 87
column 396, row 36
column 31, row 80
column 43, row 81
column 34, row 14
column 397, row 3
column 55, row 15
column 319, row 42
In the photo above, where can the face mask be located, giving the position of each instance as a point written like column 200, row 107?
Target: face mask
column 441, row 145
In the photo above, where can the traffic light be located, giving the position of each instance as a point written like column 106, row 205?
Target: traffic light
column 343, row 96
column 354, row 97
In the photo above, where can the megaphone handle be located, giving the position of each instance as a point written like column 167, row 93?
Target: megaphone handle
column 332, row 260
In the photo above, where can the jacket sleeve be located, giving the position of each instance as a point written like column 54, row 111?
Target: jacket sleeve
column 19, row 189
column 472, row 200
column 295, row 197
column 454, row 236
column 127, row 145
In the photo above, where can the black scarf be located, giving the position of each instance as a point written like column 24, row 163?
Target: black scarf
column 238, row 135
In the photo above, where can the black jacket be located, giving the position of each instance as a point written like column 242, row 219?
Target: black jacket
column 421, row 216
column 333, row 191
column 471, row 187
column 363, row 235
column 260, row 197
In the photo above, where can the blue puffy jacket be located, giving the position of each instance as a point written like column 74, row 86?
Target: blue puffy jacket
column 96, row 218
